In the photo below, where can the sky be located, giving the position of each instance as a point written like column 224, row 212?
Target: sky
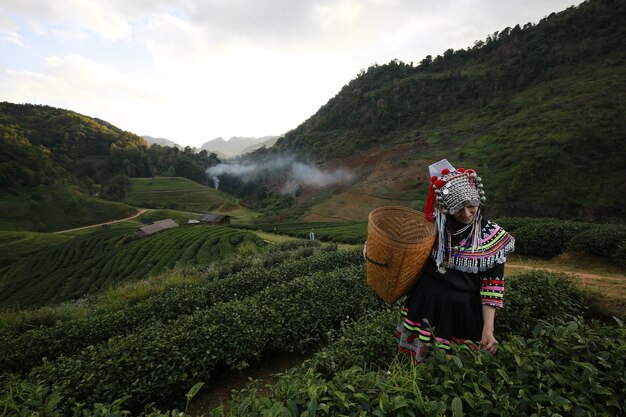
column 191, row 70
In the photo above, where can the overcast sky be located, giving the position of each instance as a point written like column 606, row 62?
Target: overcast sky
column 192, row 70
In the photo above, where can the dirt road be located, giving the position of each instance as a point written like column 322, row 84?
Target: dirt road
column 139, row 213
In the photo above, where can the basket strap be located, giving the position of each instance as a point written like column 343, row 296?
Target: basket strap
column 376, row 263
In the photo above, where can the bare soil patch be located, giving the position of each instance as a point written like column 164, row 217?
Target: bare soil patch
column 219, row 393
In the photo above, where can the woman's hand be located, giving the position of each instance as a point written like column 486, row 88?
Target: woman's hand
column 365, row 250
column 489, row 343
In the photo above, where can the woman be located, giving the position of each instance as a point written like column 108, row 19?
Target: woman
column 455, row 299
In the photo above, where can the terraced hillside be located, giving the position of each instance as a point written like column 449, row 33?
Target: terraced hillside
column 178, row 193
column 89, row 263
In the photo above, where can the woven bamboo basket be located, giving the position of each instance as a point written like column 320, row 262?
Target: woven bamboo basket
column 399, row 242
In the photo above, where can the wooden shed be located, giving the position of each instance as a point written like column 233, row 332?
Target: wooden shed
column 156, row 227
column 211, row 218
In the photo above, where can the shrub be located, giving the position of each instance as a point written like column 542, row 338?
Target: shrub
column 566, row 368
column 228, row 335
column 545, row 237
column 248, row 248
column 600, row 239
column 538, row 295
column 20, row 353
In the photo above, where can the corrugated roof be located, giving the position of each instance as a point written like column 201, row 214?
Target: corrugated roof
column 212, row 218
column 158, row 226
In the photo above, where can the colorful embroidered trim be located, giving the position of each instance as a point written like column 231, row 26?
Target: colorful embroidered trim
column 495, row 244
column 413, row 336
column 492, row 292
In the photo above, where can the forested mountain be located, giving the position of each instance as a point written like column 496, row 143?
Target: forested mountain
column 539, row 109
column 41, row 144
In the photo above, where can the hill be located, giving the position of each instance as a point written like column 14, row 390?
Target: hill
column 90, row 263
column 179, row 194
column 56, row 207
column 538, row 109
column 43, row 144
column 15, row 246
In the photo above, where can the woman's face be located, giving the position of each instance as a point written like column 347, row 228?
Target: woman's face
column 466, row 214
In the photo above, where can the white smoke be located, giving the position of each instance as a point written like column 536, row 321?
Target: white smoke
column 216, row 182
column 297, row 173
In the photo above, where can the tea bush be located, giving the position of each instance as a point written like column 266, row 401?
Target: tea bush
column 569, row 368
column 341, row 232
column 550, row 237
column 538, row 295
column 156, row 362
column 20, row 353
column 89, row 263
column 545, row 237
column 600, row 240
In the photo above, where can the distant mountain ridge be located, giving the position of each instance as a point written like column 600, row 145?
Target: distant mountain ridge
column 237, row 145
column 162, row 142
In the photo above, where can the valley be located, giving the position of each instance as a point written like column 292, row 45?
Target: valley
column 142, row 278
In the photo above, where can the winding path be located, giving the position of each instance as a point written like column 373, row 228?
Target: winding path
column 139, row 213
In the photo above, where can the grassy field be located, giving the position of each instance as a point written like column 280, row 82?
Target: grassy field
column 92, row 262
column 179, row 194
column 56, row 207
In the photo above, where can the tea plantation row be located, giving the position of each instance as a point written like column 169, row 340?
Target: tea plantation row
column 547, row 364
column 23, row 351
column 545, row 237
column 567, row 368
column 325, row 231
column 562, row 366
column 158, row 362
column 15, row 246
column 92, row 262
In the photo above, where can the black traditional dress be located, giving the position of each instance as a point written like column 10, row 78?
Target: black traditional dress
column 445, row 305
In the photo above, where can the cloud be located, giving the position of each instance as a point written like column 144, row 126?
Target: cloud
column 77, row 83
column 192, row 70
column 108, row 20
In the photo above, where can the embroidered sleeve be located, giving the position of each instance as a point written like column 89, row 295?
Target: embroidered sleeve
column 492, row 286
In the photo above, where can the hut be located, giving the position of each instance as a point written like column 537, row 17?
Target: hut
column 215, row 219
column 156, row 227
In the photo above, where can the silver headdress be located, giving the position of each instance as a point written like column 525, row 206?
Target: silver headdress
column 451, row 190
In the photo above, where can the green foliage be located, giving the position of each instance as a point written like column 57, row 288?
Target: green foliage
column 553, row 372
column 89, row 263
column 550, row 237
column 545, row 237
column 539, row 295
column 53, row 143
column 56, row 207
column 176, row 193
column 23, row 398
column 274, row 203
column 355, row 232
column 15, row 246
column 180, row 217
column 537, row 109
column 230, row 335
column 600, row 240
column 561, row 366
column 22, row 164
column 20, row 352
